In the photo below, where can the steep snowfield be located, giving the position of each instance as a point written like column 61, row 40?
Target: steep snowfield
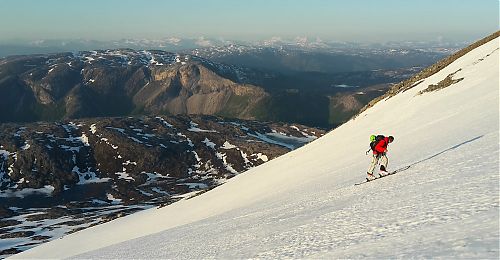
column 304, row 204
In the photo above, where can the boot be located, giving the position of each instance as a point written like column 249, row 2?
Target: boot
column 370, row 177
column 383, row 172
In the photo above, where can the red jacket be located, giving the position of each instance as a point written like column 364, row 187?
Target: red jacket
column 381, row 146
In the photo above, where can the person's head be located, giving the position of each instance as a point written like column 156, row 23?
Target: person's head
column 391, row 139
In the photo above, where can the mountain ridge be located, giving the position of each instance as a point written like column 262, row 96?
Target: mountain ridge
column 69, row 86
column 81, row 84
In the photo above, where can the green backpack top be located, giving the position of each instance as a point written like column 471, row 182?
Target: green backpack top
column 374, row 139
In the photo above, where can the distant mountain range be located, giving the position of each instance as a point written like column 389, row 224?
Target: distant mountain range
column 312, row 88
column 43, row 46
column 326, row 60
column 115, row 83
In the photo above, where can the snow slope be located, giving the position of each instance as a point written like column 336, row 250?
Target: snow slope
column 304, row 204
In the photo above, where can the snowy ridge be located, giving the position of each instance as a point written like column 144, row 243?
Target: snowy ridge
column 277, row 46
column 125, row 58
column 304, row 204
column 150, row 58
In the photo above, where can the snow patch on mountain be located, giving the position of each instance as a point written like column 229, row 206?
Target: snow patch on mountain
column 45, row 190
column 88, row 176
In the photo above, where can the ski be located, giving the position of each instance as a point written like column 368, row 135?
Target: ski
column 382, row 176
column 365, row 181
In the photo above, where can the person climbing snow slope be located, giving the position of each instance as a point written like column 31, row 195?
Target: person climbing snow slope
column 379, row 148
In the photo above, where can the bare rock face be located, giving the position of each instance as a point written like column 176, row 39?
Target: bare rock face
column 194, row 89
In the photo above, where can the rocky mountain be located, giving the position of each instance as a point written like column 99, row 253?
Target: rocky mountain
column 92, row 170
column 126, row 82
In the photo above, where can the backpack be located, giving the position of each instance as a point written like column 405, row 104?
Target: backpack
column 374, row 139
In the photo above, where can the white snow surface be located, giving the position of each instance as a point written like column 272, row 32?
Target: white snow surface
column 304, row 204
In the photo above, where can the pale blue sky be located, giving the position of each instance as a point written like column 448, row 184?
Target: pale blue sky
column 356, row 20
